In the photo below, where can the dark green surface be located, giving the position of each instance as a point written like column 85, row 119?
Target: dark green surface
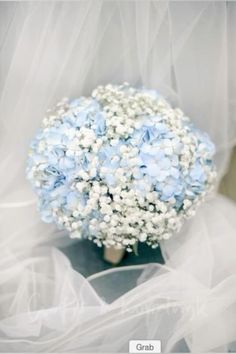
column 87, row 258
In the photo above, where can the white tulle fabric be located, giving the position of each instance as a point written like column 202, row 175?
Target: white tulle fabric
column 186, row 50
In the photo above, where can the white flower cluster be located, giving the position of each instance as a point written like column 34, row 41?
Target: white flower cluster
column 120, row 167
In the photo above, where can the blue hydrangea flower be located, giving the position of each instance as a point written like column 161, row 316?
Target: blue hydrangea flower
column 94, row 171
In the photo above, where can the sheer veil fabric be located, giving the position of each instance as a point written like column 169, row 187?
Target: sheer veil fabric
column 186, row 50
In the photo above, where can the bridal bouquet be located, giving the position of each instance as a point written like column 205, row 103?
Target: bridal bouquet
column 119, row 167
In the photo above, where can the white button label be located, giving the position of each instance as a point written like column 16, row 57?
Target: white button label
column 145, row 346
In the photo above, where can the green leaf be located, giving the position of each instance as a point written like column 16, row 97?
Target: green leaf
column 135, row 249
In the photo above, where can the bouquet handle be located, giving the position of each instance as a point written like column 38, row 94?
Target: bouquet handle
column 113, row 255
